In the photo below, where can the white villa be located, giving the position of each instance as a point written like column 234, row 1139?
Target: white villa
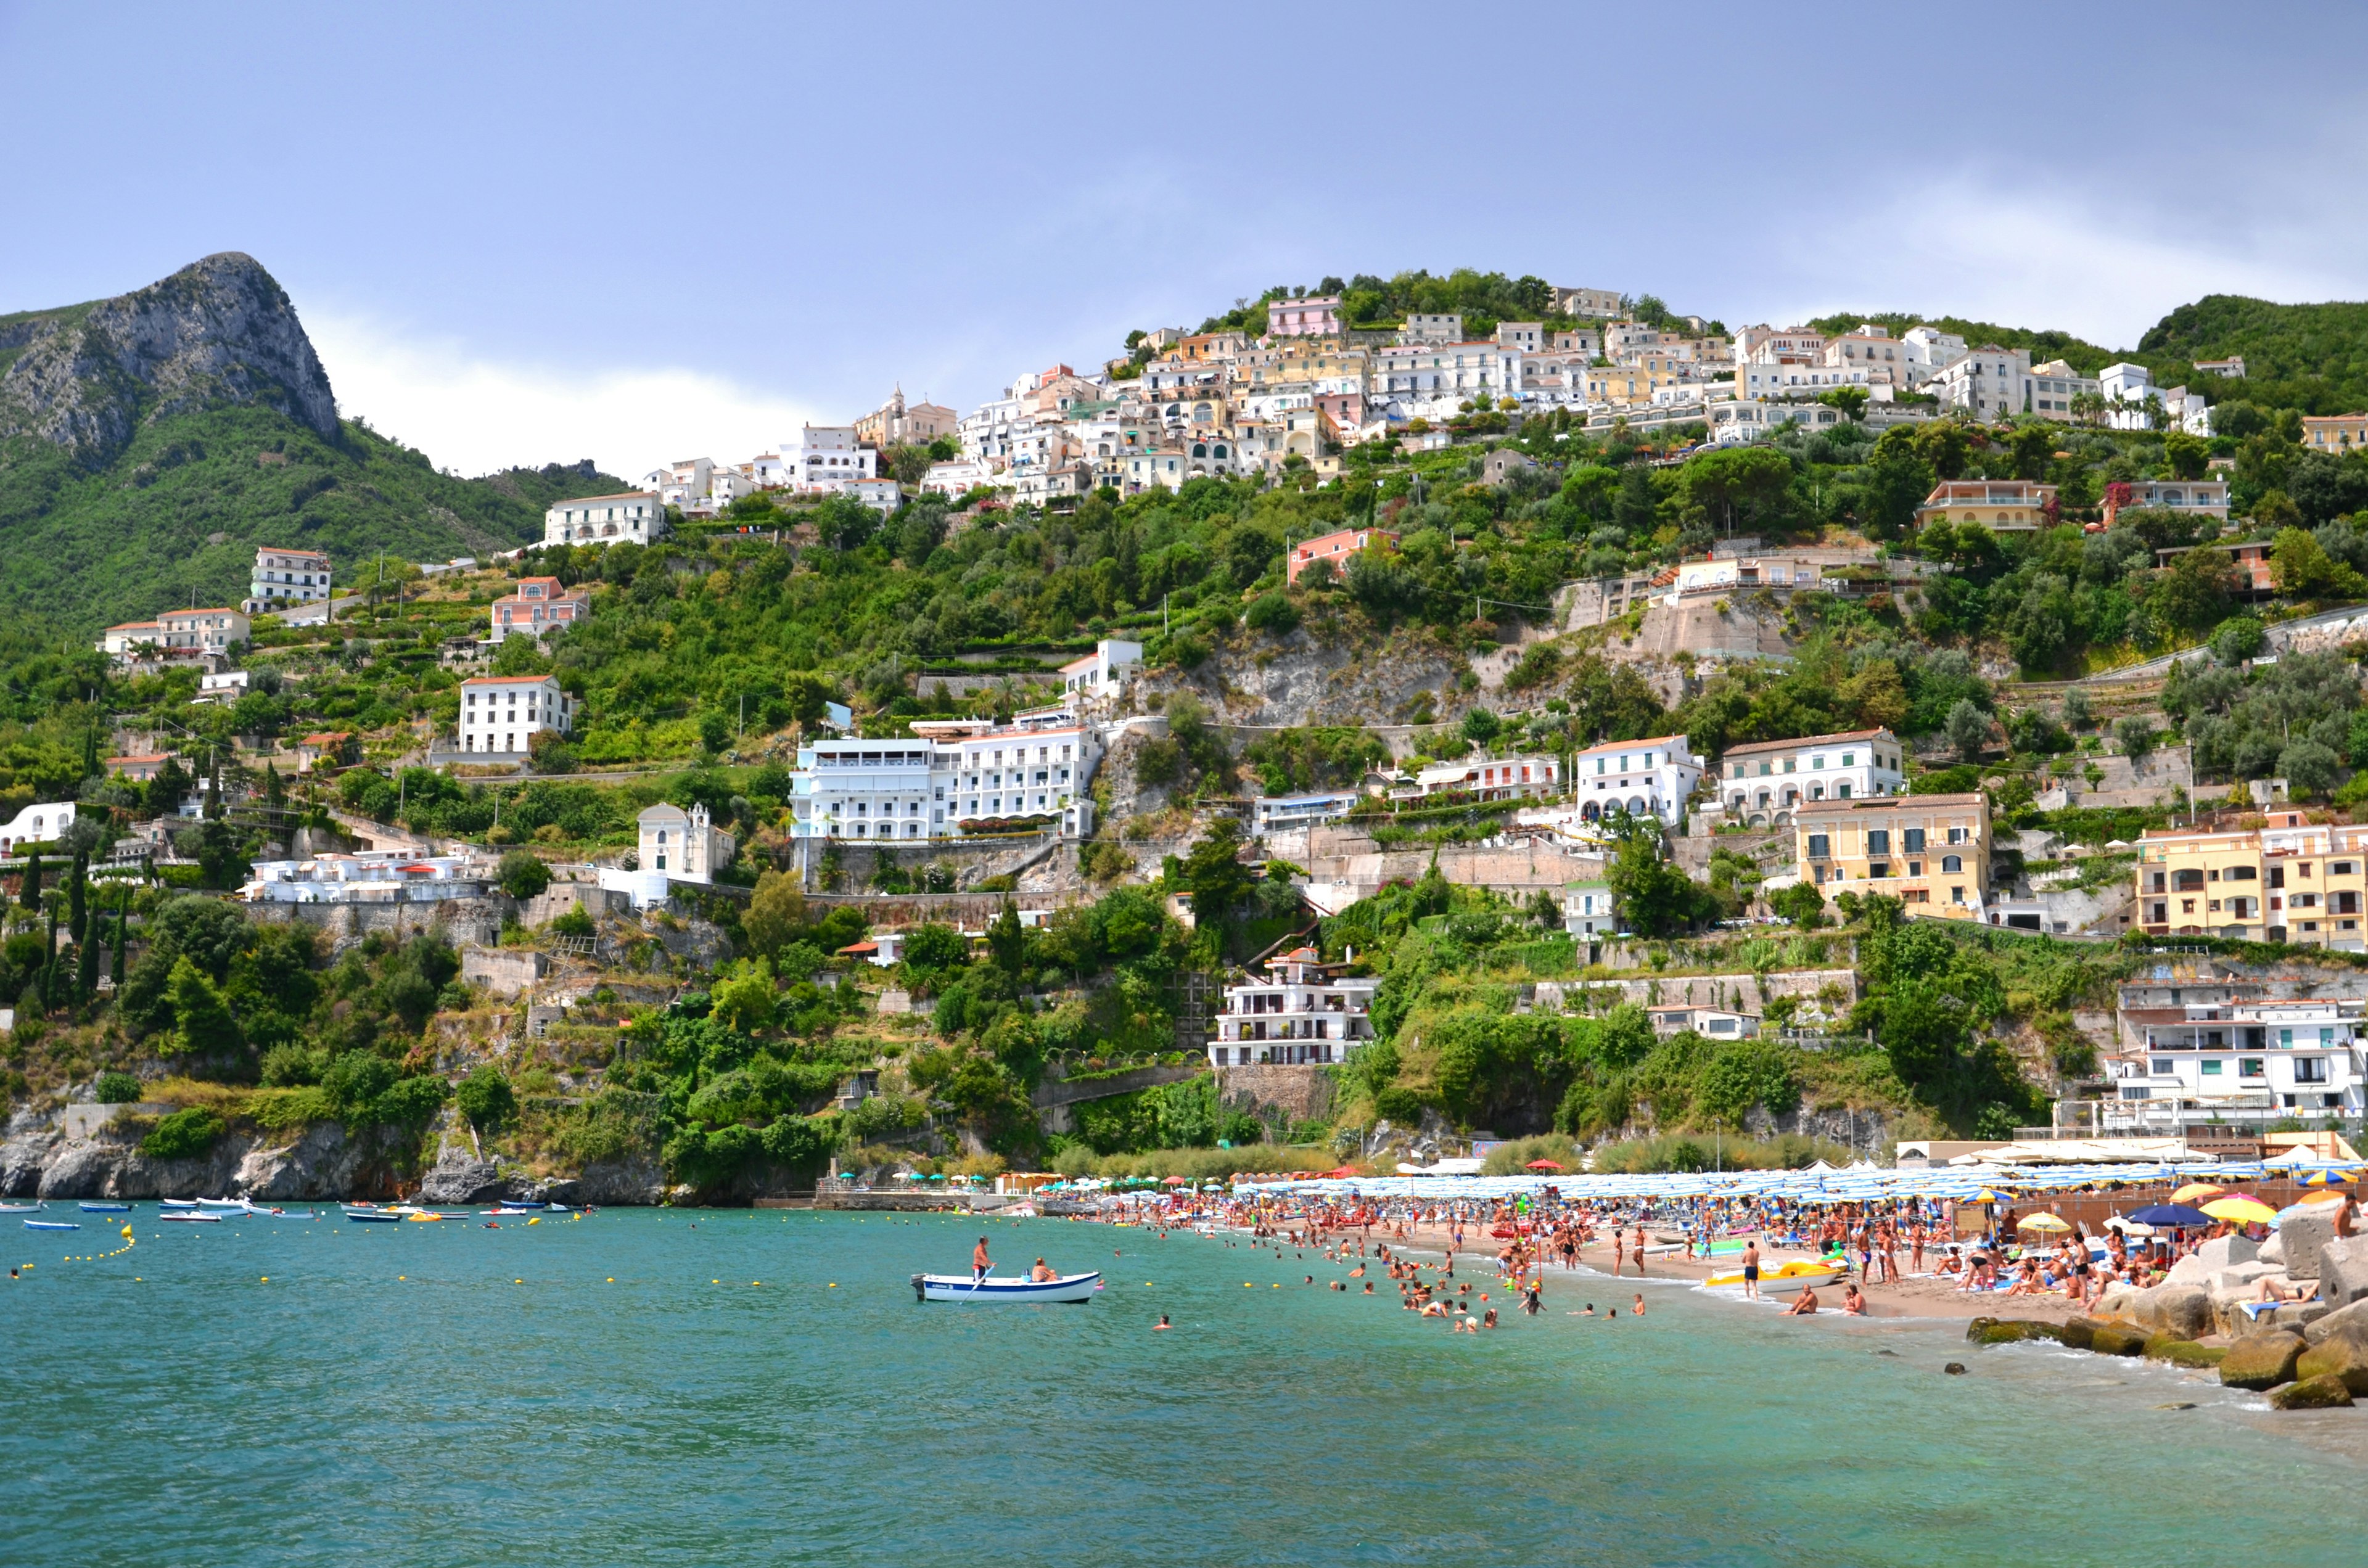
column 638, row 515
column 285, row 577
column 1305, row 1011
column 501, row 713
column 1654, row 777
column 1761, row 783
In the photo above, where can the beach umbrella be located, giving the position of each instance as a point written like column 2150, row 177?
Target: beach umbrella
column 2329, row 1177
column 1178, row 1181
column 2239, row 1209
column 2196, row 1190
column 1542, row 1165
column 2307, row 1206
column 2171, row 1214
column 2042, row 1222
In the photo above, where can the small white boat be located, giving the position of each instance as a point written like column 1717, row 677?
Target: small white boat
column 1076, row 1290
column 50, row 1225
column 177, row 1203
column 22, row 1208
column 373, row 1217
column 106, row 1208
column 239, row 1203
column 189, row 1216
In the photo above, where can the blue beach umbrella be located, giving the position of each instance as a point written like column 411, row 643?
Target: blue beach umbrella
column 2171, row 1214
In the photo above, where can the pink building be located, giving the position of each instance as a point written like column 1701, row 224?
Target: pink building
column 1337, row 548
column 539, row 605
column 1318, row 315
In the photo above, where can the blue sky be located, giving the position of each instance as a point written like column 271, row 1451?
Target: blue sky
column 525, row 232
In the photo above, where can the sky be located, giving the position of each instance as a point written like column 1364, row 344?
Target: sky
column 538, row 232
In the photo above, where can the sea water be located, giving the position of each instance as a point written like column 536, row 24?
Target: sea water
column 721, row 1387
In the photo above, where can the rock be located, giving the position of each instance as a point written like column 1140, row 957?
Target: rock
column 2189, row 1270
column 2352, row 1319
column 2274, row 1251
column 2226, row 1252
column 2343, row 1355
column 2117, row 1339
column 1955, row 1369
column 2113, row 1301
column 2311, row 1393
column 2261, row 1360
column 2184, row 1352
column 2007, row 1331
column 2301, row 1238
column 2242, row 1275
column 2078, row 1332
column 2182, row 1311
column 2343, row 1271
column 2178, row 1405
column 462, row 1181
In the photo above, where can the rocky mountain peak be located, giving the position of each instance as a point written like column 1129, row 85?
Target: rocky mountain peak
column 219, row 331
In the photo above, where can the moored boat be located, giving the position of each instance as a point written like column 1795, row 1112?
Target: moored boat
column 1076, row 1290
column 106, row 1208
column 22, row 1208
column 177, row 1203
column 189, row 1216
column 373, row 1216
column 51, row 1225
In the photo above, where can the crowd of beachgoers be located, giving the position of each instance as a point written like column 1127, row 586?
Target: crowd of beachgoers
column 1467, row 1262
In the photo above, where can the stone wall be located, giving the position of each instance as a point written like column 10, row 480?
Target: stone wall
column 458, row 917
column 1744, row 993
column 503, row 971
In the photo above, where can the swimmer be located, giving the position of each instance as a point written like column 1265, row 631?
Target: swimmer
column 1161, row 1324
column 1309, row 1280
column 1638, row 1310
column 1369, row 1287
column 1489, row 1320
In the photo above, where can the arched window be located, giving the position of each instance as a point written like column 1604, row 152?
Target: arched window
column 1952, row 865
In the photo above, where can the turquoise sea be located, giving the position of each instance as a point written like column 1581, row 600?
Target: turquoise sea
column 726, row 1387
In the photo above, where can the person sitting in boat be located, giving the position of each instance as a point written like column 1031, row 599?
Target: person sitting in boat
column 1043, row 1273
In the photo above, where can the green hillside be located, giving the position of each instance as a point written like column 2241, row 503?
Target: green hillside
column 2313, row 357
column 178, row 515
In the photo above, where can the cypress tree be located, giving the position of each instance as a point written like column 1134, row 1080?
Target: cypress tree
column 50, row 987
column 122, row 930
column 87, row 957
column 31, row 892
column 77, row 898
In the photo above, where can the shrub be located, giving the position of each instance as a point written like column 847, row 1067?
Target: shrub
column 486, row 1098
column 523, row 874
column 184, row 1135
column 1272, row 613
column 116, row 1088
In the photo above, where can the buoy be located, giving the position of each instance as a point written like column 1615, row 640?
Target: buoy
column 517, row 1281
column 267, row 1280
column 612, row 1279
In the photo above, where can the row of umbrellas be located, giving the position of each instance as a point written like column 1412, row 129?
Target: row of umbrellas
column 1862, row 1183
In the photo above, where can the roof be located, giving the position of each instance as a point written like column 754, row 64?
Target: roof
column 507, row 680
column 283, row 550
column 143, row 756
column 132, row 626
column 620, row 495
column 326, row 738
column 1805, row 741
column 1679, row 740
column 1889, row 802
column 184, row 614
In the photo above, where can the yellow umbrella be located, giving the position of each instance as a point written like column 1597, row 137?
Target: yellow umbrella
column 2330, row 1178
column 2195, row 1189
column 2323, row 1197
column 2042, row 1222
column 2241, row 1211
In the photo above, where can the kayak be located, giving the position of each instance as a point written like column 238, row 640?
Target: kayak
column 50, row 1225
column 1076, row 1290
column 1785, row 1281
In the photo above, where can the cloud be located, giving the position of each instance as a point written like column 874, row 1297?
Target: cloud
column 2039, row 258
column 474, row 415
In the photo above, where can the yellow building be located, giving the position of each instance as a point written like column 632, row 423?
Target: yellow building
column 2292, row 880
column 2336, row 433
column 1931, row 852
column 2001, row 506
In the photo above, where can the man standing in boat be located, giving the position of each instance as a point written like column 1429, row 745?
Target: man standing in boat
column 979, row 1265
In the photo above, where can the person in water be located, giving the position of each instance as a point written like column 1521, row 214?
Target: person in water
column 1804, row 1304
column 1161, row 1324
column 1853, row 1303
column 979, row 1265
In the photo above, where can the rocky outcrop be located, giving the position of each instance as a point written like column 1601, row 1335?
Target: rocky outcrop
column 2352, row 1319
column 321, row 1162
column 2009, row 1331
column 2261, row 1360
column 2184, row 1352
column 2118, row 1339
column 218, row 332
column 2343, row 1355
column 2312, row 1393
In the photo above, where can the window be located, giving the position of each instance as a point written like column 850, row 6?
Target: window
column 1952, row 865
column 1878, row 841
column 2251, row 1067
column 1819, row 846
column 1911, row 839
column 2310, row 1070
column 2212, row 1069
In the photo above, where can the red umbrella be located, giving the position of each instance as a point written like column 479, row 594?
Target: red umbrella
column 1335, row 1176
column 1542, row 1165
column 1176, row 1181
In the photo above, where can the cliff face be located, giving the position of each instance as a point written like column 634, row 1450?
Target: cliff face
column 220, row 331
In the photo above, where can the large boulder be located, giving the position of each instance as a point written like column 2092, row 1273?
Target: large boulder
column 2241, row 1275
column 2226, row 1252
column 2352, row 1319
column 2301, row 1236
column 2118, row 1339
column 462, row 1180
column 2312, row 1393
column 2343, row 1355
column 2078, row 1332
column 2343, row 1270
column 2190, row 1270
column 2184, row 1352
column 2261, row 1360
column 2113, row 1301
column 2008, row 1331
column 2184, row 1311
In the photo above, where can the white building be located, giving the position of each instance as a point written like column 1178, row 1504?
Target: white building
column 501, row 713
column 1492, row 779
column 1718, row 1023
column 1988, row 383
column 1761, row 783
column 702, row 486
column 2126, row 389
column 1586, row 910
column 634, row 515
column 957, row 478
column 2242, row 1061
column 373, row 876
column 1930, row 348
column 956, row 776
column 1431, row 326
column 825, row 458
column 198, row 633
column 2055, row 385
column 1305, row 1011
column 882, row 495
column 38, row 825
column 1652, row 777
column 1107, row 669
column 1276, row 813
column 683, row 844
column 286, row 576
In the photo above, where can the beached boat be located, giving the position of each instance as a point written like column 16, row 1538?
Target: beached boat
column 106, row 1208
column 1785, row 1281
column 189, row 1216
column 51, row 1225
column 1076, row 1290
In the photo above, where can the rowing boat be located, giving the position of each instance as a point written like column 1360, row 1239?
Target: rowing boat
column 373, row 1217
column 106, row 1208
column 189, row 1216
column 22, row 1208
column 1076, row 1290
column 50, row 1225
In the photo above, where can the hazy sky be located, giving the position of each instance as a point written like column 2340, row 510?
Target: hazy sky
column 524, row 233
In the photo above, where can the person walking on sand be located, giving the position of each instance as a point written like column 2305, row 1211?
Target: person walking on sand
column 1751, row 1269
column 1636, row 1245
column 979, row 1265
